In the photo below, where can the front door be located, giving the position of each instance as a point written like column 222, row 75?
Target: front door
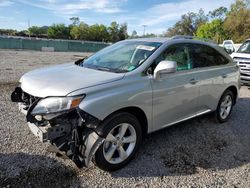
column 175, row 95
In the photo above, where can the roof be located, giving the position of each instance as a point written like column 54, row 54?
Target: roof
column 177, row 37
column 153, row 39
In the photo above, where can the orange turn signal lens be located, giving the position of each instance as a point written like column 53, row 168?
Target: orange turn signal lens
column 75, row 102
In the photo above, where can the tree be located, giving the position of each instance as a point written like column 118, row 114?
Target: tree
column 148, row 35
column 219, row 13
column 98, row 33
column 188, row 24
column 113, row 30
column 8, row 32
column 123, row 31
column 38, row 31
column 59, row 31
column 117, row 32
column 75, row 20
column 213, row 30
column 80, row 31
column 134, row 34
column 237, row 22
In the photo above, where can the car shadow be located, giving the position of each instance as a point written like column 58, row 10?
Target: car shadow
column 24, row 170
column 194, row 146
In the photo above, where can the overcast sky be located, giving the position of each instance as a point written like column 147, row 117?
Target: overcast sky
column 158, row 15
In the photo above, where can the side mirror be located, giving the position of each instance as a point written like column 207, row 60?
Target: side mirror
column 164, row 67
column 229, row 51
column 79, row 61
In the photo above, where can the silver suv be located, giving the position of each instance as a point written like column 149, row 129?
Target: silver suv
column 103, row 106
column 242, row 57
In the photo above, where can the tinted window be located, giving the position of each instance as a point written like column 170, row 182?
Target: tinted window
column 205, row 56
column 179, row 54
column 245, row 48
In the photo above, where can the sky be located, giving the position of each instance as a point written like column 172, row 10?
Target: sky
column 157, row 15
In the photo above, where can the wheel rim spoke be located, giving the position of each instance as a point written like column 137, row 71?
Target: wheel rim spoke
column 122, row 153
column 229, row 104
column 129, row 139
column 123, row 130
column 110, row 138
column 110, row 152
column 225, row 112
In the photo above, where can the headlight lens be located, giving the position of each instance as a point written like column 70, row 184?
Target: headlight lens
column 56, row 104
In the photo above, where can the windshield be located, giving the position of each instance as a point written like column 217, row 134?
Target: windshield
column 227, row 42
column 121, row 57
column 245, row 48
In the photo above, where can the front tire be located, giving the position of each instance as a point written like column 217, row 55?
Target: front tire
column 225, row 107
column 123, row 136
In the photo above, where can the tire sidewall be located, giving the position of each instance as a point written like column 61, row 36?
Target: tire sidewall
column 106, row 127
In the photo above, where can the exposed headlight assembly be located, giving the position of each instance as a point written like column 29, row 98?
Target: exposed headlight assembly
column 56, row 104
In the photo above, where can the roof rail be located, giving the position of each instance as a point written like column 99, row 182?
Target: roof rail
column 192, row 37
column 182, row 37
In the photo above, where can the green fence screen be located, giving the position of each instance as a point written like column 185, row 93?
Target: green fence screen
column 56, row 45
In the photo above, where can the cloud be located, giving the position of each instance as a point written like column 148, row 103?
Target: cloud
column 162, row 16
column 165, row 12
column 73, row 7
column 5, row 3
column 157, row 17
column 5, row 20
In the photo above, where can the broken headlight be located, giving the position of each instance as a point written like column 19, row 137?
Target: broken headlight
column 56, row 104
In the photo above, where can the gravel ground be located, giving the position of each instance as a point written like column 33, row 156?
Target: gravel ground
column 196, row 153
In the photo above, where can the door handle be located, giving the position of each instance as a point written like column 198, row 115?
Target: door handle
column 224, row 75
column 193, row 81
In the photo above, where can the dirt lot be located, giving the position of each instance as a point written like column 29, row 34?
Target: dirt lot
column 197, row 153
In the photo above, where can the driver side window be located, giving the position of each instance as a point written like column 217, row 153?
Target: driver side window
column 178, row 53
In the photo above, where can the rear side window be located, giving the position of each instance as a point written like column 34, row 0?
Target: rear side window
column 205, row 56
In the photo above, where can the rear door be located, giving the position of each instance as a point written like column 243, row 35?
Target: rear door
column 211, row 70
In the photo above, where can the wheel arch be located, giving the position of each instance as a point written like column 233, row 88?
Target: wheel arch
column 138, row 113
column 234, row 90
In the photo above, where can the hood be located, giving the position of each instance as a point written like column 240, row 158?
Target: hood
column 240, row 55
column 61, row 80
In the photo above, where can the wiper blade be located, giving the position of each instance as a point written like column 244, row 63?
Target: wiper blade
column 112, row 70
column 105, row 68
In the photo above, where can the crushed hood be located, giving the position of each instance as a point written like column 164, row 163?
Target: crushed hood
column 61, row 80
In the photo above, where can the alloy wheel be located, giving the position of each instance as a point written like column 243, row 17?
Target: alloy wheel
column 226, row 106
column 119, row 143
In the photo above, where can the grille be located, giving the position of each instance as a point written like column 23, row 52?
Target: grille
column 244, row 63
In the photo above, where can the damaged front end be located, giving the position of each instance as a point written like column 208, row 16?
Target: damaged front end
column 58, row 120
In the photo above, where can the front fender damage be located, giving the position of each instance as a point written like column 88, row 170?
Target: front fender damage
column 91, row 143
column 76, row 137
column 72, row 134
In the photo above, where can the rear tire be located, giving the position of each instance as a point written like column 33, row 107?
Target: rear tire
column 123, row 136
column 225, row 107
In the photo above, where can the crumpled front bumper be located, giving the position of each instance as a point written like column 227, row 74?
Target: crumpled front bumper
column 59, row 132
column 91, row 142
